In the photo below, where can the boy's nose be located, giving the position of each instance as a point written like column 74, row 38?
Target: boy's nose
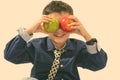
column 60, row 30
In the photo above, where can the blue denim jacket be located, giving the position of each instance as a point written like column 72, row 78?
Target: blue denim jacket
column 39, row 52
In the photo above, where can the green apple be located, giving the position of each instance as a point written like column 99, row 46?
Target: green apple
column 51, row 26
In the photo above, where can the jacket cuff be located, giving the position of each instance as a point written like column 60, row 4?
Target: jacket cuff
column 93, row 49
column 24, row 34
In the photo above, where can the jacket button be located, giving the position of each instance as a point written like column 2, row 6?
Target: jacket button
column 61, row 65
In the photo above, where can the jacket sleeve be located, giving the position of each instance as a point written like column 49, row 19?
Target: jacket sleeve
column 18, row 51
column 90, row 61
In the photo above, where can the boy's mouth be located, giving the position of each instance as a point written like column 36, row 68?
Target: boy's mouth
column 59, row 35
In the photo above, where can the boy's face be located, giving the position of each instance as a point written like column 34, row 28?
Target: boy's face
column 60, row 36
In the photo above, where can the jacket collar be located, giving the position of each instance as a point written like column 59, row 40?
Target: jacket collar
column 50, row 46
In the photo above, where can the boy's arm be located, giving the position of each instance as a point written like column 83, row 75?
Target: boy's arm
column 18, row 50
column 91, row 57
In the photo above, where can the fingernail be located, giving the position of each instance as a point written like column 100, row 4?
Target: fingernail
column 68, row 25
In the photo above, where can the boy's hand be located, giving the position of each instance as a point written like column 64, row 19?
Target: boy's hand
column 38, row 26
column 79, row 28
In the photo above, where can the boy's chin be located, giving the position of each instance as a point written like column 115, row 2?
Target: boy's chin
column 59, row 40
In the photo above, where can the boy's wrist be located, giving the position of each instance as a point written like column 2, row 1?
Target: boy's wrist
column 85, row 34
column 29, row 31
column 87, row 37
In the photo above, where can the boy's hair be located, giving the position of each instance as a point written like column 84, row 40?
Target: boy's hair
column 57, row 6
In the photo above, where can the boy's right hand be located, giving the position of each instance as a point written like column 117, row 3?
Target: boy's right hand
column 38, row 26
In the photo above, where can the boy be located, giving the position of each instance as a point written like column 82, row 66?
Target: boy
column 41, row 52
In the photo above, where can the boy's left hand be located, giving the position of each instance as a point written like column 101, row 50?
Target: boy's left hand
column 78, row 28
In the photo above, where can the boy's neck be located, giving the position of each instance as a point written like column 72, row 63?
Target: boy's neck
column 59, row 45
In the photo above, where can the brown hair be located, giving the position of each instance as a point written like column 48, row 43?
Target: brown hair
column 57, row 6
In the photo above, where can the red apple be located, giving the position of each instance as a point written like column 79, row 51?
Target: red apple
column 64, row 24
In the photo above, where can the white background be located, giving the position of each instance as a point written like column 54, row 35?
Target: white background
column 100, row 17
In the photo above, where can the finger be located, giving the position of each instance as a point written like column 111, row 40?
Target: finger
column 41, row 29
column 46, row 17
column 45, row 21
column 73, row 18
column 74, row 24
